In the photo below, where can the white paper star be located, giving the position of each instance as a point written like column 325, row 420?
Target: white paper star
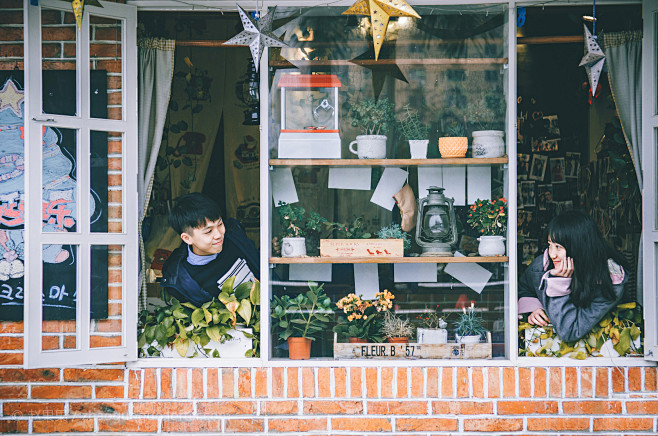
column 593, row 60
column 256, row 34
column 11, row 97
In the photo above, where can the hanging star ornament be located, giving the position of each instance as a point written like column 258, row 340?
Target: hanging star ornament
column 11, row 97
column 78, row 7
column 256, row 34
column 380, row 12
column 593, row 60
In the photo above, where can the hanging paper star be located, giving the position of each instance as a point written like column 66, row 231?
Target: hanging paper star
column 382, row 69
column 11, row 97
column 78, row 6
column 380, row 11
column 256, row 35
column 593, row 60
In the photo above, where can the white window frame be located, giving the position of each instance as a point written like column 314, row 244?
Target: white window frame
column 83, row 237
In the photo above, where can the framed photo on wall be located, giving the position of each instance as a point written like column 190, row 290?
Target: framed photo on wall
column 557, row 170
column 538, row 167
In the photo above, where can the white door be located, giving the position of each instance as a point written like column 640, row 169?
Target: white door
column 81, row 262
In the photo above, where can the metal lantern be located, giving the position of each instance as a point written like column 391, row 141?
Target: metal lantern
column 247, row 91
column 436, row 229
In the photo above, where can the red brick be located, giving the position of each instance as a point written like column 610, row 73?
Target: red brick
column 8, row 326
column 493, row 383
column 540, row 383
column 312, row 407
column 244, row 382
column 308, row 383
column 591, row 407
column 134, row 383
column 355, row 382
column 109, row 66
column 361, row 424
column 371, row 383
column 293, row 383
column 261, row 382
column 13, row 426
column 447, row 390
column 165, row 382
column 340, row 382
column 181, row 383
column 62, row 425
column 7, row 392
column 634, row 379
column 650, row 379
column 52, row 17
column 228, row 383
column 571, row 382
column 109, row 391
column 190, row 426
column 602, row 382
column 28, row 375
column 16, row 342
column 162, row 408
column 397, row 408
column 618, row 379
column 98, row 408
column 44, row 391
column 10, row 17
column 494, row 424
column 150, row 383
column 59, row 65
column 478, row 382
column 16, row 50
column 105, row 341
column 642, row 407
column 461, row 408
column 105, row 50
column 12, row 33
column 118, row 425
column 197, row 383
column 432, row 382
column 297, row 425
column 11, row 358
column 622, row 424
column 402, row 383
column 526, row 407
column 387, row 382
column 586, row 382
column 324, row 387
column 278, row 408
column 230, row 407
column 417, row 382
column 525, row 377
column 557, row 424
column 278, row 382
column 58, row 33
column 509, row 382
column 426, row 424
column 244, row 425
column 556, row 382
column 17, row 409
column 107, row 34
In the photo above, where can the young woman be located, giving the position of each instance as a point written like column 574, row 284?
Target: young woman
column 577, row 280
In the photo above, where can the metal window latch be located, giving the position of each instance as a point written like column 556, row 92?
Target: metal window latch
column 47, row 120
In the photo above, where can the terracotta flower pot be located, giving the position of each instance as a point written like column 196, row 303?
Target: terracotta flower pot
column 453, row 146
column 398, row 340
column 353, row 340
column 299, row 348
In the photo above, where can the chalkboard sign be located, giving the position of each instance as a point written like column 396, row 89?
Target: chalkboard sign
column 60, row 211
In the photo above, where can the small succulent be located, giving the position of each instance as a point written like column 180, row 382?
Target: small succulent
column 470, row 323
column 394, row 231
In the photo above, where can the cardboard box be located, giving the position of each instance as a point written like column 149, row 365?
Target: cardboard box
column 374, row 248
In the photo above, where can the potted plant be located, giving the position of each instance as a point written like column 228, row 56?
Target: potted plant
column 352, row 240
column 454, row 142
column 227, row 326
column 301, row 319
column 417, row 133
column 374, row 118
column 433, row 330
column 396, row 329
column 394, row 231
column 489, row 218
column 469, row 326
column 487, row 114
column 298, row 233
column 361, row 320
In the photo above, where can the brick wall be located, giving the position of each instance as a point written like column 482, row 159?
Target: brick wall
column 481, row 400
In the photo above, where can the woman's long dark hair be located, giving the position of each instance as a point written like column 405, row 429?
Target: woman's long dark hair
column 577, row 233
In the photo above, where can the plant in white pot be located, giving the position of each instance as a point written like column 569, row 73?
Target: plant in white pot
column 296, row 228
column 374, row 118
column 433, row 328
column 489, row 218
column 487, row 114
column 413, row 130
column 469, row 327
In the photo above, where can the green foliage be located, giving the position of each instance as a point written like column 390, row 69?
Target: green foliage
column 394, row 231
column 395, row 327
column 303, row 316
column 294, row 223
column 489, row 217
column 470, row 323
column 487, row 112
column 372, row 117
column 411, row 125
column 451, row 126
column 352, row 230
column 363, row 318
column 182, row 325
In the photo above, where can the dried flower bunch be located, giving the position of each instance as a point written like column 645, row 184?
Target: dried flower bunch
column 432, row 320
column 362, row 318
column 396, row 327
column 489, row 217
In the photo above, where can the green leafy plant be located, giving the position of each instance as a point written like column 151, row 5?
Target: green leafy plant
column 411, row 126
column 363, row 318
column 294, row 223
column 372, row 117
column 182, row 325
column 489, row 217
column 470, row 323
column 352, row 230
column 395, row 327
column 303, row 316
column 487, row 112
column 394, row 231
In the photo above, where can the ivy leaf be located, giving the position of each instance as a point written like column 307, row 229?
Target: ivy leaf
column 182, row 346
column 254, row 294
column 197, row 316
column 214, row 334
column 177, row 163
column 245, row 310
column 624, row 342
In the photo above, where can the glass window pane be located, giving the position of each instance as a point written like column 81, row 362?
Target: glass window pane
column 58, row 48
column 59, row 325
column 106, row 213
column 106, row 57
column 59, row 179
column 107, row 311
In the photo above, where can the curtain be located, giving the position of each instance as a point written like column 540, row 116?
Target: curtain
column 623, row 52
column 155, row 71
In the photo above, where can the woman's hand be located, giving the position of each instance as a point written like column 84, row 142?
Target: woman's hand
column 565, row 269
column 538, row 317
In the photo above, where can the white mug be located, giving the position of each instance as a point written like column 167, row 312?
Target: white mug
column 369, row 146
column 293, row 247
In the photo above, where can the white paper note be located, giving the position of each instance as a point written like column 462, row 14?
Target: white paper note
column 429, row 176
column 350, row 178
column 454, row 178
column 283, row 186
column 478, row 183
column 390, row 183
column 471, row 274
column 316, row 272
column 414, row 272
column 366, row 280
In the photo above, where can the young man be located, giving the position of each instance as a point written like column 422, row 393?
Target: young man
column 213, row 250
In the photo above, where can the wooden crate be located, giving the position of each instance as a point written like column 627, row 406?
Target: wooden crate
column 374, row 248
column 412, row 351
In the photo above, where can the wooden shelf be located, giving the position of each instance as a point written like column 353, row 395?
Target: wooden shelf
column 439, row 259
column 486, row 62
column 387, row 162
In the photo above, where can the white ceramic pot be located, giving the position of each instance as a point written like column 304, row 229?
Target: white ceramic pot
column 293, row 247
column 491, row 246
column 418, row 148
column 432, row 336
column 369, row 146
column 488, row 143
column 468, row 339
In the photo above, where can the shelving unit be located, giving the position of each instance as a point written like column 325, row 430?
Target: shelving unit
column 388, row 162
column 428, row 259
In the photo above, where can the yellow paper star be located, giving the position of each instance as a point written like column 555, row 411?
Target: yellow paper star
column 380, row 11
column 11, row 97
column 78, row 6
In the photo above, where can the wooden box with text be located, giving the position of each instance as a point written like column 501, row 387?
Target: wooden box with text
column 412, row 351
column 374, row 248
